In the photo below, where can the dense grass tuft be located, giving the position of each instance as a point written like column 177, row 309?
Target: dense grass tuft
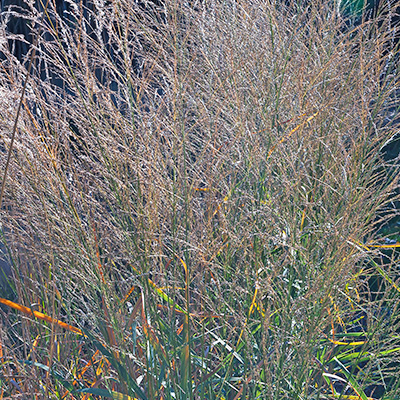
column 196, row 202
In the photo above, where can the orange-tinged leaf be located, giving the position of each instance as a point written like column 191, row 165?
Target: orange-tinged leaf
column 87, row 366
column 130, row 291
column 180, row 329
column 295, row 129
column 40, row 315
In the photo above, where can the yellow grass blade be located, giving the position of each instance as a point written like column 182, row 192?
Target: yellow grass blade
column 385, row 246
column 347, row 343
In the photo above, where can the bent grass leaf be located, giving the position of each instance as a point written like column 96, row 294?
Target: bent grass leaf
column 352, row 382
column 363, row 356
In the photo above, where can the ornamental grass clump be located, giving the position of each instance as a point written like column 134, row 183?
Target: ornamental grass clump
column 197, row 201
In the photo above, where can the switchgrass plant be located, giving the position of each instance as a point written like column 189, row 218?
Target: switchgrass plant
column 193, row 204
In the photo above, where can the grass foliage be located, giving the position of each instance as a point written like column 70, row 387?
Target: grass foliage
column 194, row 202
